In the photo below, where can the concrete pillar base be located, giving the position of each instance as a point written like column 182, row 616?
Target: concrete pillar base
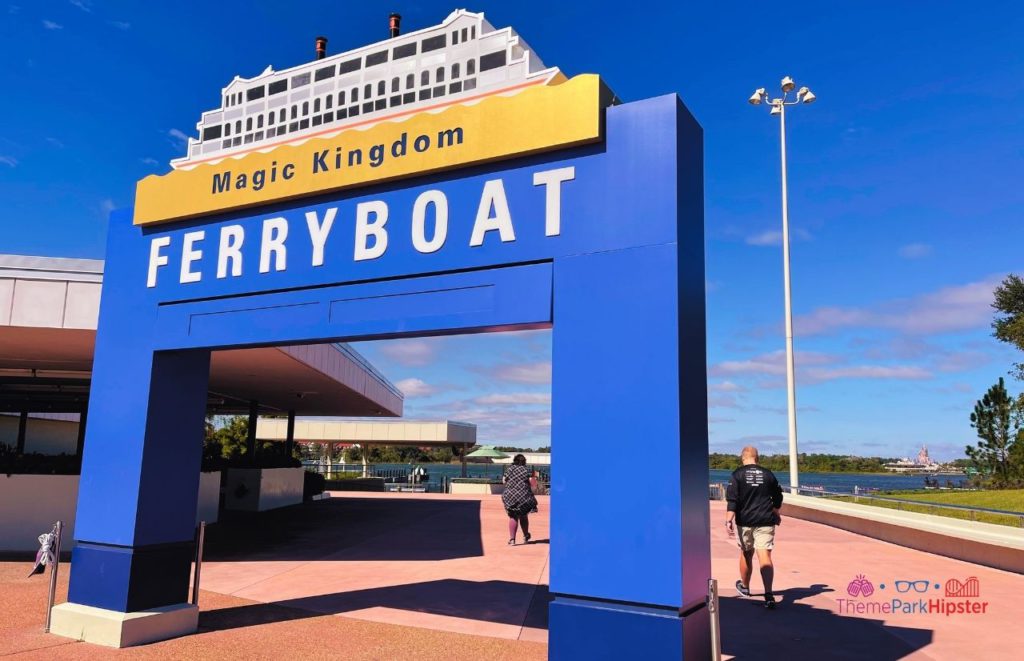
column 115, row 629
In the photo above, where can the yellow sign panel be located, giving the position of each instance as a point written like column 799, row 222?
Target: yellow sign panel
column 537, row 119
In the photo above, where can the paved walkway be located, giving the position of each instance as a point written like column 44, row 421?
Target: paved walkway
column 425, row 560
column 814, row 566
column 430, row 577
column 368, row 576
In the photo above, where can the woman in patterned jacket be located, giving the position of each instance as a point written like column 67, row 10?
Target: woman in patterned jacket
column 518, row 498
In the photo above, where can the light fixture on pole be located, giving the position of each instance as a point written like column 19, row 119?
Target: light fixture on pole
column 778, row 107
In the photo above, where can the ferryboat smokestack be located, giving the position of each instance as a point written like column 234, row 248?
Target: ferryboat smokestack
column 321, row 48
column 395, row 24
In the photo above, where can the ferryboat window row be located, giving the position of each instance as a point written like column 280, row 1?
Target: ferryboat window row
column 434, row 43
column 407, row 50
column 324, row 73
column 302, row 115
column 372, row 102
column 350, row 66
column 374, row 59
column 493, row 60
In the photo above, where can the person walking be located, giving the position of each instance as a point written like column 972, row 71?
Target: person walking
column 518, row 498
column 753, row 501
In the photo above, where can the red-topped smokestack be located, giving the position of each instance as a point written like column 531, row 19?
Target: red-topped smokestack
column 395, row 24
column 321, row 48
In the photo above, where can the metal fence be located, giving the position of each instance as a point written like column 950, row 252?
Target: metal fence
column 400, row 477
column 716, row 491
column 900, row 504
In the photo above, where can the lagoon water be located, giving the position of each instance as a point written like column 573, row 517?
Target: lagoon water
column 836, row 482
column 845, row 482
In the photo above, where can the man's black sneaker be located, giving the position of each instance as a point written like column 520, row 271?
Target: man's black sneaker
column 742, row 589
column 769, row 602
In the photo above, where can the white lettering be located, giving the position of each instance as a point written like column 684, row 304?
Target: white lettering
column 231, row 239
column 188, row 255
column 365, row 228
column 275, row 231
column 318, row 232
column 493, row 197
column 419, row 218
column 552, row 182
column 155, row 258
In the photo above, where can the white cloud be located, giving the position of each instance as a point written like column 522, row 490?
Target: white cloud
column 726, row 386
column 515, row 398
column 178, row 135
column 773, row 363
column 413, row 387
column 410, row 353
column 121, row 25
column 50, row 25
column 84, row 5
column 909, row 372
column 149, row 161
column 723, row 402
column 55, row 142
column 814, row 367
column 774, row 237
column 945, row 310
column 524, row 373
column 915, row 250
column 106, row 206
column 9, row 161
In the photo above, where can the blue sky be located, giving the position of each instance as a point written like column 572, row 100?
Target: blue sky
column 904, row 177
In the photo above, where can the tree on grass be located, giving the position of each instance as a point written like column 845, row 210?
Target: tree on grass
column 998, row 420
column 1009, row 322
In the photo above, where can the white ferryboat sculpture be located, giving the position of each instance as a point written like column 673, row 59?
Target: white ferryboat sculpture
column 463, row 59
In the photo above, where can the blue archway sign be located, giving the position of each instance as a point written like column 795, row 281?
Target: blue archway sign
column 602, row 242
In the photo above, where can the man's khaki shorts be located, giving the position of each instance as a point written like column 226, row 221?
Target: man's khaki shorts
column 758, row 537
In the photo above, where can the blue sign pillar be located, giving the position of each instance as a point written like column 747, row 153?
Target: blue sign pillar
column 603, row 243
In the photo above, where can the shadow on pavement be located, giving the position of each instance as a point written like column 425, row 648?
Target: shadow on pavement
column 350, row 529
column 501, row 602
column 796, row 631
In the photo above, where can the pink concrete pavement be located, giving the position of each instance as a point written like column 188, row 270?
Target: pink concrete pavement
column 814, row 564
column 424, row 560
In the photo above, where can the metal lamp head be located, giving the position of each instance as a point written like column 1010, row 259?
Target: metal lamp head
column 808, row 96
column 755, row 98
column 776, row 109
column 788, row 84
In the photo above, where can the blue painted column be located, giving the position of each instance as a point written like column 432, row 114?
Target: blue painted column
column 142, row 456
column 630, row 555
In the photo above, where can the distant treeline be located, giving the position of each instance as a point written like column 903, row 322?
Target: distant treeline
column 812, row 463
column 512, row 448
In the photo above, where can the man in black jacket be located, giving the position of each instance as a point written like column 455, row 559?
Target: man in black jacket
column 754, row 498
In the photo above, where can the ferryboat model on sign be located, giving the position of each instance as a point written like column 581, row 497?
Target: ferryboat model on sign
column 462, row 60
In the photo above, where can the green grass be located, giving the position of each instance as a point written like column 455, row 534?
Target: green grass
column 1011, row 500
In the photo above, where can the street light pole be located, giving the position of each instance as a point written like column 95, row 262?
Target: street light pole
column 778, row 107
column 794, row 473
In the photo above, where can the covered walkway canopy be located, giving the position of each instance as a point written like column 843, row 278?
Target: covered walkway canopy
column 371, row 432
column 49, row 308
column 366, row 433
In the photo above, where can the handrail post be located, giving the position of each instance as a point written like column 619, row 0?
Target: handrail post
column 716, row 632
column 58, row 531
column 200, row 540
